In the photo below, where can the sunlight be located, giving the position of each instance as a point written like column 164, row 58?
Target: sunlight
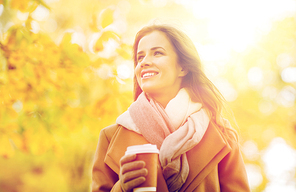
column 35, row 26
column 1, row 9
column 255, row 75
column 276, row 187
column 284, row 60
column 234, row 34
column 78, row 38
column 17, row 106
column 287, row 96
column 289, row 74
column 238, row 24
column 124, row 71
column 109, row 48
column 159, row 3
column 226, row 89
column 250, row 150
column 40, row 13
column 269, row 92
column 280, row 162
column 22, row 16
column 213, row 52
column 104, row 71
column 254, row 175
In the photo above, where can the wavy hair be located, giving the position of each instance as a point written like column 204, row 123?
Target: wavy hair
column 200, row 88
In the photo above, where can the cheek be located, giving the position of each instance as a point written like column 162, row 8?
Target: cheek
column 137, row 73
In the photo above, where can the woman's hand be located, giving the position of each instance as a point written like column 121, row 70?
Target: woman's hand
column 132, row 173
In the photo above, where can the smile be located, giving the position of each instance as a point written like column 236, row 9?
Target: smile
column 149, row 74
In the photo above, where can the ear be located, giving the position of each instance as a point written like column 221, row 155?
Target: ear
column 183, row 72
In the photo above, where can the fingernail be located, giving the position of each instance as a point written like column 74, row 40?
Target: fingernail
column 146, row 171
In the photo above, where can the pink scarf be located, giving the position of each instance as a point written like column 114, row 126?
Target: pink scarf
column 175, row 130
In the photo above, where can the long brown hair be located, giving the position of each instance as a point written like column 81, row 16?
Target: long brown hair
column 200, row 88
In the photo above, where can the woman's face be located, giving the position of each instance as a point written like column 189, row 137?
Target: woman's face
column 158, row 71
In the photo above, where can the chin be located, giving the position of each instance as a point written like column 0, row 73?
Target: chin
column 149, row 90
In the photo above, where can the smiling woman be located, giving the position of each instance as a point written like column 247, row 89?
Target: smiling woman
column 177, row 109
column 158, row 73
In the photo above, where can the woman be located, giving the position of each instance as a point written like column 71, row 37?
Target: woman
column 178, row 109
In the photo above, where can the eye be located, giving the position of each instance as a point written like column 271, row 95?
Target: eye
column 140, row 58
column 158, row 53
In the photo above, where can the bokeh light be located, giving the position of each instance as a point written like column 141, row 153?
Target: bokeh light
column 1, row 9
column 226, row 89
column 17, row 106
column 78, row 38
column 124, row 70
column 40, row 13
column 250, row 150
column 286, row 96
column 284, row 60
column 104, row 71
column 289, row 74
column 255, row 76
column 280, row 165
column 35, row 26
column 254, row 175
column 22, row 16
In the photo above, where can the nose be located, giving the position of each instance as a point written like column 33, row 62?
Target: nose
column 146, row 62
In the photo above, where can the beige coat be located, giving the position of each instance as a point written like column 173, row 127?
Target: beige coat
column 215, row 163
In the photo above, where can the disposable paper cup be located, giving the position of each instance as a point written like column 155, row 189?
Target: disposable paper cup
column 149, row 154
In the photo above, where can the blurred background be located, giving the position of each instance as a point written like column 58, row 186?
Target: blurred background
column 66, row 73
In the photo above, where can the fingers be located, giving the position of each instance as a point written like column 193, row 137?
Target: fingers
column 128, row 186
column 131, row 166
column 127, row 158
column 132, row 172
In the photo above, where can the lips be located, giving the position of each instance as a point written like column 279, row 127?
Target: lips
column 148, row 74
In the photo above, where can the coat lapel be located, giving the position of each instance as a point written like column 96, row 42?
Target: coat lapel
column 205, row 156
column 118, row 145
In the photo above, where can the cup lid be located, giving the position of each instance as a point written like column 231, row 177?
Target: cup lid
column 146, row 148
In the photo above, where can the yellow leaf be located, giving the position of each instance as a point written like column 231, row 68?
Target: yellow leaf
column 93, row 24
column 106, row 17
column 106, row 35
column 21, row 5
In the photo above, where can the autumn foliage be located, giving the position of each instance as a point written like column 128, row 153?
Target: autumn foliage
column 53, row 104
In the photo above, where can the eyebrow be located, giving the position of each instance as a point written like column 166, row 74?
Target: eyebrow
column 153, row 48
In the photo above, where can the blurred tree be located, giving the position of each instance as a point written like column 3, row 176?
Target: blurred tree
column 54, row 101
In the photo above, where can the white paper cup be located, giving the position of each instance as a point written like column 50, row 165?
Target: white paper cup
column 149, row 154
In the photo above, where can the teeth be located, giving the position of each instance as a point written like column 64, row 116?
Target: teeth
column 148, row 74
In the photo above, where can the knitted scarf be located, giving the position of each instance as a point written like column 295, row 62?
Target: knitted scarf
column 175, row 130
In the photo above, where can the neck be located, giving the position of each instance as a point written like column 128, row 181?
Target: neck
column 164, row 99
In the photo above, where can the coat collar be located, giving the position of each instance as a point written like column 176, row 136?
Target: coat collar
column 205, row 156
column 202, row 158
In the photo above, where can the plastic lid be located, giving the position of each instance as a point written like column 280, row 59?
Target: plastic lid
column 144, row 189
column 146, row 148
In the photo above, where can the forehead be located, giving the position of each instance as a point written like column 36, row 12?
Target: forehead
column 154, row 39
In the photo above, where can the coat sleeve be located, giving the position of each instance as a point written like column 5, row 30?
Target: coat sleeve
column 232, row 172
column 103, row 177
